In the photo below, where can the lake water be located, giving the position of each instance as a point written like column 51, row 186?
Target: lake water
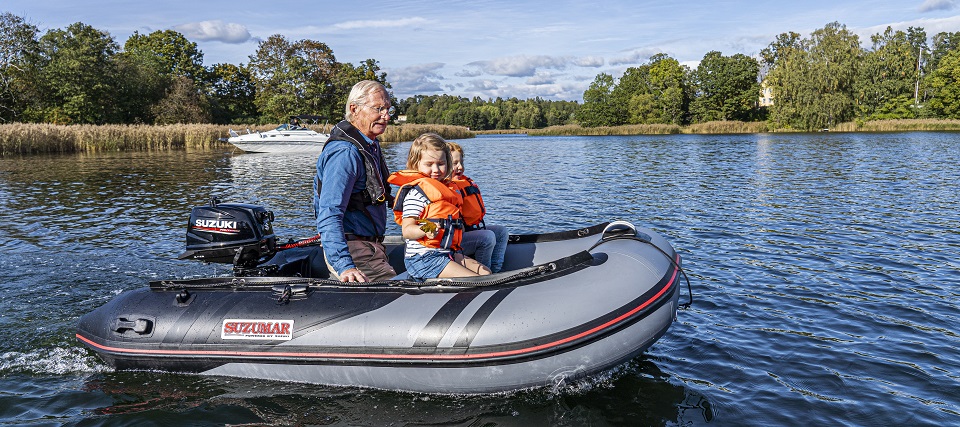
column 825, row 271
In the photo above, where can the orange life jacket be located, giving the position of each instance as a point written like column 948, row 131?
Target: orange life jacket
column 473, row 209
column 443, row 209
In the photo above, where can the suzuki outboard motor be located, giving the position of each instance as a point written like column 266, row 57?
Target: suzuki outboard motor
column 231, row 233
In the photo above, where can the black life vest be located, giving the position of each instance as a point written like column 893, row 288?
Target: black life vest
column 377, row 190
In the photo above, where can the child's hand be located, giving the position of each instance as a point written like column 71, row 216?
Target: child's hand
column 428, row 227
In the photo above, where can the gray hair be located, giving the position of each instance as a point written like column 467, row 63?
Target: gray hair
column 359, row 93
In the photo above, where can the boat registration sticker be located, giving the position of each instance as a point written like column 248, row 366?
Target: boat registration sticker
column 256, row 329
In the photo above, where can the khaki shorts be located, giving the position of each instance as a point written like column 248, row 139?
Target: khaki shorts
column 370, row 258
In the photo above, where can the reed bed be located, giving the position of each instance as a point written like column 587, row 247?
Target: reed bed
column 570, row 130
column 899, row 125
column 35, row 138
column 727, row 127
column 31, row 138
column 410, row 131
column 503, row 132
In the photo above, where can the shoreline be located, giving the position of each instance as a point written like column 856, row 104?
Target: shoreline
column 40, row 138
column 735, row 127
column 44, row 138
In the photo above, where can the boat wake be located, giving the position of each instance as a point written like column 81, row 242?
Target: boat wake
column 52, row 361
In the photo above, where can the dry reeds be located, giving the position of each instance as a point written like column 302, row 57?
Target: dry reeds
column 28, row 138
column 727, row 127
column 34, row 138
column 409, row 132
column 569, row 130
column 898, row 125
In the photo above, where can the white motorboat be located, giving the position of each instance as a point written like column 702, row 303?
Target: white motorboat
column 286, row 138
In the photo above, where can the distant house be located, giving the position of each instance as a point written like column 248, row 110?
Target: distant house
column 766, row 95
column 402, row 118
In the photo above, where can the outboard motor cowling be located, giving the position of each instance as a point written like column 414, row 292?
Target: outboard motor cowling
column 230, row 233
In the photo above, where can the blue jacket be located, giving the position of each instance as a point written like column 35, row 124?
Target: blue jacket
column 342, row 200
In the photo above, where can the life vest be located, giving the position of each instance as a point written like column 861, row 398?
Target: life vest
column 473, row 209
column 376, row 191
column 443, row 209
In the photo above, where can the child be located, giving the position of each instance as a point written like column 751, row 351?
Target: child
column 427, row 208
column 487, row 243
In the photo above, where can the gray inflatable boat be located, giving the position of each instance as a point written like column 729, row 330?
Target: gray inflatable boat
column 566, row 306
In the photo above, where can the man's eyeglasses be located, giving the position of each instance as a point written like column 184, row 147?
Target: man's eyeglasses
column 380, row 110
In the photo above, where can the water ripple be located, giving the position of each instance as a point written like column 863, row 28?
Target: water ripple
column 824, row 268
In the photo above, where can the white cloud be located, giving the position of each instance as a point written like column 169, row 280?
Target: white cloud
column 541, row 79
column 931, row 26
column 635, row 57
column 589, row 61
column 934, row 5
column 484, row 85
column 384, row 23
column 416, row 79
column 519, row 66
column 474, row 72
column 215, row 31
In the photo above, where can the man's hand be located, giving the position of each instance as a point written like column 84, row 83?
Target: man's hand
column 353, row 275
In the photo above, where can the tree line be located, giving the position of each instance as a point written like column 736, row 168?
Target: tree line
column 479, row 114
column 81, row 75
column 814, row 83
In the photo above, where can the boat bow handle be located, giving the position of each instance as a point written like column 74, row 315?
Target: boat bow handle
column 623, row 228
column 141, row 326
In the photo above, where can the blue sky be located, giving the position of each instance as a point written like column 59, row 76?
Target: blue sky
column 491, row 48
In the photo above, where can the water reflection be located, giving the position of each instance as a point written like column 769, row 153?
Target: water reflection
column 645, row 396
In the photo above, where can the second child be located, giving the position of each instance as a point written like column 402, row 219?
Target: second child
column 427, row 208
column 487, row 243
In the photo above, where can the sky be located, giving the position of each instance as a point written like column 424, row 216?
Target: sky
column 552, row 49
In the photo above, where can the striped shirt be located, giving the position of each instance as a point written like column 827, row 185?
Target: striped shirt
column 413, row 206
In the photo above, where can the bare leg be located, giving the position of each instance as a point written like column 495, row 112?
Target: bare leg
column 471, row 264
column 453, row 269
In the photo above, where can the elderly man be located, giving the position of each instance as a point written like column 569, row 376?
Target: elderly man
column 351, row 193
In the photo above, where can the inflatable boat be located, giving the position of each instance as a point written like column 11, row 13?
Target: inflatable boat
column 567, row 305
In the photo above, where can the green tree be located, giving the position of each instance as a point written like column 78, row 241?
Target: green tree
column 655, row 92
column 343, row 80
column 725, row 88
column 232, row 94
column 835, row 53
column 945, row 84
column 669, row 80
column 174, row 55
column 631, row 99
column 943, row 43
column 812, row 79
column 597, row 108
column 175, row 61
column 139, row 87
column 293, row 78
column 182, row 104
column 19, row 53
column 886, row 77
column 783, row 48
column 78, row 74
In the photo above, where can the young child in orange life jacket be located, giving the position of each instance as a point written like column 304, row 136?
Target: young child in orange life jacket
column 486, row 243
column 427, row 207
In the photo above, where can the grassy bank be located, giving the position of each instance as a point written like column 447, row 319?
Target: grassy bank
column 727, row 127
column 33, row 138
column 606, row 130
column 409, row 132
column 29, row 138
column 898, row 126
column 735, row 127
